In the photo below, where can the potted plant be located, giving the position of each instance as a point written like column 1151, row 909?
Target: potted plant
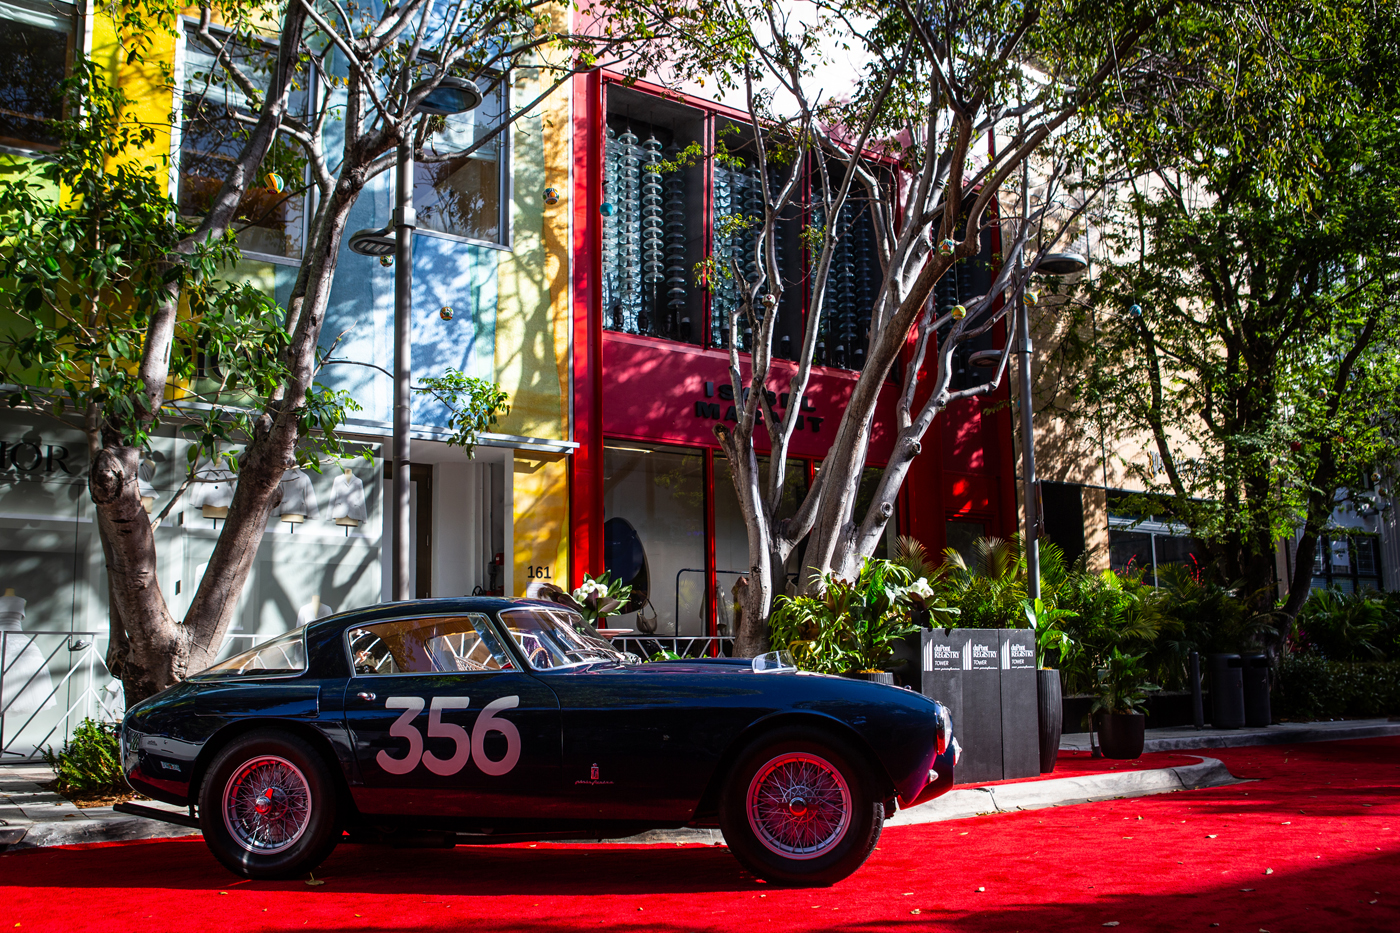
column 852, row 627
column 1121, row 687
column 1050, row 641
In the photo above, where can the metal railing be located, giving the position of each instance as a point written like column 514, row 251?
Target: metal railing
column 687, row 646
column 49, row 683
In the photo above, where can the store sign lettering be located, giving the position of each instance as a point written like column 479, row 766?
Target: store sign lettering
column 712, row 410
column 33, row 457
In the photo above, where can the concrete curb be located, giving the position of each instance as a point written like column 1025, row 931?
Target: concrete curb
column 1059, row 792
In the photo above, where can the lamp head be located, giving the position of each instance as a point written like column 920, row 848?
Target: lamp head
column 452, row 95
column 1062, row 264
column 371, row 242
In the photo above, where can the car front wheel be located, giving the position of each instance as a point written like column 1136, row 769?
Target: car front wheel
column 799, row 807
column 267, row 806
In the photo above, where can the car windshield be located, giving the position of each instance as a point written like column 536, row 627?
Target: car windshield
column 285, row 654
column 555, row 638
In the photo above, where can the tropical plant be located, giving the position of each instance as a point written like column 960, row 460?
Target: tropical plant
column 1112, row 612
column 1052, row 642
column 90, row 763
column 1121, row 685
column 853, row 625
column 1344, row 626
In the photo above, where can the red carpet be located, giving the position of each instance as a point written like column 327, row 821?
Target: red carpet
column 1312, row 845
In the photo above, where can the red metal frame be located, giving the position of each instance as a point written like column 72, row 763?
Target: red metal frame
column 586, row 464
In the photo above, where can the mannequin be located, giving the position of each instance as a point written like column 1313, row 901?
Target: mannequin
column 213, row 489
column 28, row 688
column 144, row 474
column 298, row 498
column 313, row 610
column 348, row 500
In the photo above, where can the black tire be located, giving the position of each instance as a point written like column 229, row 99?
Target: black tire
column 299, row 827
column 841, row 810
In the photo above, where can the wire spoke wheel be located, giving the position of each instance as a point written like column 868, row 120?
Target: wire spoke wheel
column 799, row 805
column 267, row 804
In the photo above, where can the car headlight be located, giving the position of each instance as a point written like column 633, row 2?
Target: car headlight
column 945, row 728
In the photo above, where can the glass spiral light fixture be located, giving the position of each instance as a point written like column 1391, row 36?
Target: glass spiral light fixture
column 612, row 300
column 677, row 317
column 843, row 332
column 644, row 241
column 738, row 195
column 653, row 244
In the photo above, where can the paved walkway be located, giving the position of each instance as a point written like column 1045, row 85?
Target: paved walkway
column 1283, row 733
column 35, row 816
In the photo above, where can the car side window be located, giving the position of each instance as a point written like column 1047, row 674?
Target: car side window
column 441, row 645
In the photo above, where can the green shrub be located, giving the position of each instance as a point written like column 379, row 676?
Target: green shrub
column 90, row 764
column 1345, row 626
column 1315, row 688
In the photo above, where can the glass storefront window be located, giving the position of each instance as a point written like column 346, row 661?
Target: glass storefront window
column 731, row 536
column 659, row 494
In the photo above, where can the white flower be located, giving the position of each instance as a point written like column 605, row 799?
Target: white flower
column 589, row 588
column 920, row 588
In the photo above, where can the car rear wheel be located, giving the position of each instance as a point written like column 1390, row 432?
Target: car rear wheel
column 800, row 807
column 267, row 806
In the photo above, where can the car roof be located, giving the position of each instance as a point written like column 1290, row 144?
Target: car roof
column 452, row 605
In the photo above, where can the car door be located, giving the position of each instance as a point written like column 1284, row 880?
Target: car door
column 444, row 722
column 640, row 742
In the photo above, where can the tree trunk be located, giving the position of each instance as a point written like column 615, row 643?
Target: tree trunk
column 272, row 450
column 148, row 650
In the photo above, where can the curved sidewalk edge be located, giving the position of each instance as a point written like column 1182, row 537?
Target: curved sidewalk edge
column 1057, row 792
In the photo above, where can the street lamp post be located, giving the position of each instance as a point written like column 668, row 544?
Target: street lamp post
column 1055, row 264
column 451, row 96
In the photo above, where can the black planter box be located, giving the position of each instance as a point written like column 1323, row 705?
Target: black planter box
column 987, row 678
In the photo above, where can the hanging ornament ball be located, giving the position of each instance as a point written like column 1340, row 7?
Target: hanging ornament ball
column 959, row 312
column 947, row 247
column 1032, row 296
column 445, row 312
column 608, row 209
column 1296, row 446
column 1375, row 477
column 275, row 182
column 551, row 195
column 386, row 261
column 1135, row 310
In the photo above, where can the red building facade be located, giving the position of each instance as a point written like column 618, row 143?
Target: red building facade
column 650, row 492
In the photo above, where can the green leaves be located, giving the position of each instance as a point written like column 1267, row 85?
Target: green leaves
column 852, row 625
column 473, row 404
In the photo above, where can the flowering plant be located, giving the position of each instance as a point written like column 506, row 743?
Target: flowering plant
column 595, row 598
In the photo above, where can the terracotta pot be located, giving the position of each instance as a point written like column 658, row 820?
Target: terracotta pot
column 1051, row 714
column 1121, row 734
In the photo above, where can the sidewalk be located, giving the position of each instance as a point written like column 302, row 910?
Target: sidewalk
column 1283, row 733
column 38, row 817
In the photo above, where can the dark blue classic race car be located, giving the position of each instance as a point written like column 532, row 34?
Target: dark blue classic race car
column 467, row 721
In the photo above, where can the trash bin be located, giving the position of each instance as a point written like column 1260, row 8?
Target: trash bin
column 1257, row 711
column 1226, row 691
